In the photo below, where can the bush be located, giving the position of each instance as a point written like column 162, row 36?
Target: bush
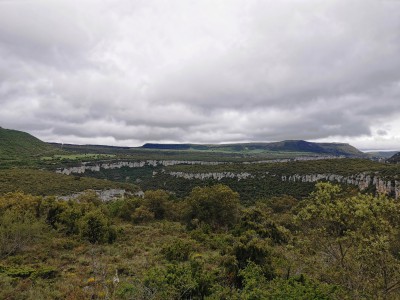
column 124, row 208
column 177, row 250
column 142, row 214
column 179, row 281
column 217, row 206
column 258, row 220
column 156, row 202
column 95, row 228
column 18, row 230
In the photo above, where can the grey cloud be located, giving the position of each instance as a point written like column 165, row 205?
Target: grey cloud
column 128, row 72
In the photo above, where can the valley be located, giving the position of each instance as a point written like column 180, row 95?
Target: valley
column 285, row 220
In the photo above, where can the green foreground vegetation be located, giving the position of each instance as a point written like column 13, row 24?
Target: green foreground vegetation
column 331, row 245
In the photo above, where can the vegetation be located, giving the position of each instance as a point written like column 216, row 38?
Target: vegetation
column 297, row 146
column 332, row 245
column 17, row 147
column 78, row 157
column 37, row 182
column 254, row 238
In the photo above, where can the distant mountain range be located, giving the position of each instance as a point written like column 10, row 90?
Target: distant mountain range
column 16, row 144
column 337, row 149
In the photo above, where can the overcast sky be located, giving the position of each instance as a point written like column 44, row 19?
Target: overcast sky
column 125, row 72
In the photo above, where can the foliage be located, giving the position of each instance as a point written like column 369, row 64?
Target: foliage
column 96, row 228
column 217, row 206
column 259, row 221
column 353, row 234
column 124, row 208
column 156, row 202
column 331, row 245
column 251, row 248
column 177, row 250
column 47, row 183
column 18, row 230
column 142, row 214
column 300, row 288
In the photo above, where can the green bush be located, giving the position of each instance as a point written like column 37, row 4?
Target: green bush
column 177, row 250
column 18, row 230
column 156, row 202
column 124, row 208
column 258, row 220
column 142, row 214
column 95, row 227
column 217, row 206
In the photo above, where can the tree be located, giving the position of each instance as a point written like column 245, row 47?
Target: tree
column 95, row 228
column 217, row 206
column 156, row 202
column 351, row 235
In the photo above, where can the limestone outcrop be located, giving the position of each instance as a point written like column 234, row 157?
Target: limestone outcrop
column 105, row 195
column 361, row 180
column 130, row 164
column 215, row 176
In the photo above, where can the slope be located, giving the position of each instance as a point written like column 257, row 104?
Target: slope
column 18, row 145
column 395, row 159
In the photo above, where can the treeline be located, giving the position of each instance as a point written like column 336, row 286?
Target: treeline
column 332, row 245
column 344, row 166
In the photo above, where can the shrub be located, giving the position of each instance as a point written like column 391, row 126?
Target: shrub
column 177, row 250
column 142, row 214
column 217, row 206
column 95, row 228
column 18, row 230
column 156, row 202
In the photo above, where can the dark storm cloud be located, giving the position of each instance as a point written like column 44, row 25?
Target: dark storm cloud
column 127, row 72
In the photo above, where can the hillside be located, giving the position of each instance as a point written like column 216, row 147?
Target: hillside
column 395, row 158
column 17, row 145
column 45, row 183
column 381, row 154
column 301, row 146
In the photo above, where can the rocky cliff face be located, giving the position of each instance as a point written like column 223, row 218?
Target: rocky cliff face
column 104, row 195
column 139, row 164
column 215, row 176
column 154, row 163
column 362, row 180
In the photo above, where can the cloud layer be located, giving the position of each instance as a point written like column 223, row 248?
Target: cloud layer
column 127, row 72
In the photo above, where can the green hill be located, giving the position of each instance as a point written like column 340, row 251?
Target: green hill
column 17, row 145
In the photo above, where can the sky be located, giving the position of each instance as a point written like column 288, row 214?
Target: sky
column 127, row 72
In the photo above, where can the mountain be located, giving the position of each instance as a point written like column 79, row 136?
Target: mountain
column 381, row 154
column 337, row 149
column 16, row 144
column 395, row 159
